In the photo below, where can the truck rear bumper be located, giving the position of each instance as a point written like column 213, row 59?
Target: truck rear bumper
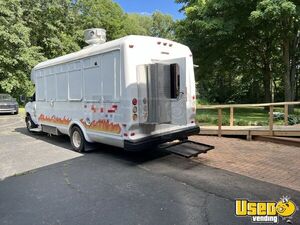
column 143, row 143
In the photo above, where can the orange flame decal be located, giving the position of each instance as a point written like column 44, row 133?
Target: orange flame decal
column 54, row 119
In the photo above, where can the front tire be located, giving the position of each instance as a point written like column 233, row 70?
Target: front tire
column 78, row 141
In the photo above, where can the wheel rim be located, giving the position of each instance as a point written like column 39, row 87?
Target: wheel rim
column 76, row 139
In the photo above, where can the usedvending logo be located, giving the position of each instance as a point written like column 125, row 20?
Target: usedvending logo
column 266, row 211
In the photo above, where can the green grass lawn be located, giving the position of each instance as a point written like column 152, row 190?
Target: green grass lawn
column 242, row 116
column 22, row 110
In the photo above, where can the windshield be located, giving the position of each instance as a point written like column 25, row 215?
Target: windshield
column 5, row 97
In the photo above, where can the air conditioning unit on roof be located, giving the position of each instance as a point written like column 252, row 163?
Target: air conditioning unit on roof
column 95, row 36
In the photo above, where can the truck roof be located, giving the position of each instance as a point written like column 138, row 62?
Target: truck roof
column 108, row 46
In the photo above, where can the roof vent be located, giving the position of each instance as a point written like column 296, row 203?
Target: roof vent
column 95, row 36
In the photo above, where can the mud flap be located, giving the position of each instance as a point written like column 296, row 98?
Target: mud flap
column 186, row 148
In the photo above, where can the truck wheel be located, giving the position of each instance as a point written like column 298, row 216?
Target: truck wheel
column 29, row 123
column 77, row 139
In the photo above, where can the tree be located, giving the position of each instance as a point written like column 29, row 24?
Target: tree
column 237, row 45
column 32, row 31
column 162, row 26
column 102, row 14
column 17, row 55
column 283, row 17
column 53, row 26
column 220, row 36
column 137, row 24
column 156, row 25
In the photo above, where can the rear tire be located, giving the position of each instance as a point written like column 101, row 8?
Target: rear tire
column 78, row 141
column 29, row 123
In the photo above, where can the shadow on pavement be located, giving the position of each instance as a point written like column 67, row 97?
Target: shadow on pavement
column 8, row 114
column 63, row 141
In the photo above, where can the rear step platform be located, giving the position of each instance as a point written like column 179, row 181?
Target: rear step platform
column 186, row 148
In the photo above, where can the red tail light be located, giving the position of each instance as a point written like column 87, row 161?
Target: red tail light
column 134, row 101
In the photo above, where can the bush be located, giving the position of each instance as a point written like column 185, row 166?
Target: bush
column 292, row 120
column 278, row 116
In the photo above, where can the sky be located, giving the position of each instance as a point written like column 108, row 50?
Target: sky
column 147, row 7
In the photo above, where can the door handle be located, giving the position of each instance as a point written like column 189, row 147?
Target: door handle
column 181, row 93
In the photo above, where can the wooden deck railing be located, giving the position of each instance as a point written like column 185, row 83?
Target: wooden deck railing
column 233, row 106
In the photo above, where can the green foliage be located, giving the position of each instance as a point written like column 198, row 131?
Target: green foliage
column 242, row 117
column 238, row 47
column 17, row 55
column 247, row 51
column 101, row 13
column 156, row 25
column 137, row 24
column 162, row 26
column 52, row 24
column 32, row 31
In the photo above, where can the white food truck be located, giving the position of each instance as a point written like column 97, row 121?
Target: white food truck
column 132, row 93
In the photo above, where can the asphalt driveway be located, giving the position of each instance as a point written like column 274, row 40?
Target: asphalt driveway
column 44, row 182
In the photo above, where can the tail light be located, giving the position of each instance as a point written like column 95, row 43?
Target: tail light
column 134, row 109
column 134, row 117
column 134, row 101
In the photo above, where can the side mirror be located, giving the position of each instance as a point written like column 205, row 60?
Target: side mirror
column 22, row 98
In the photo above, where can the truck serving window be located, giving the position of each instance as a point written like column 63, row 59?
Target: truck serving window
column 75, row 81
column 175, row 80
column 111, row 79
column 62, row 86
column 92, row 78
column 50, row 87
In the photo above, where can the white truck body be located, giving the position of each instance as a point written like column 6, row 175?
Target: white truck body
column 128, row 93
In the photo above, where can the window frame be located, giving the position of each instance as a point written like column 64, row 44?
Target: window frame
column 175, row 80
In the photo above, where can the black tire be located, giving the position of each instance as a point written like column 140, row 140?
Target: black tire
column 29, row 123
column 77, row 139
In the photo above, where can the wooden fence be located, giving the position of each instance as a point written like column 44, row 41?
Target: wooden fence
column 233, row 106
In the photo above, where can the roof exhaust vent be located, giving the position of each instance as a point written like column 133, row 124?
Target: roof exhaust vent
column 95, row 36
